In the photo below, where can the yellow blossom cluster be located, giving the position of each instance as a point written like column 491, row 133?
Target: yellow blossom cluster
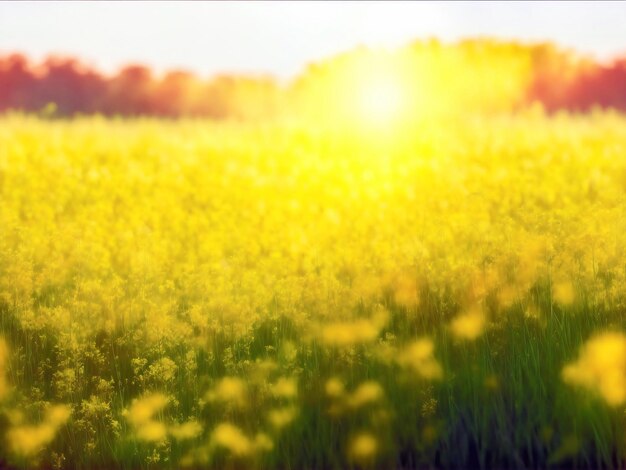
column 601, row 367
column 220, row 284
column 27, row 440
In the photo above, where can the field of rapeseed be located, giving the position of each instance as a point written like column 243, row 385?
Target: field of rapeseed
column 241, row 295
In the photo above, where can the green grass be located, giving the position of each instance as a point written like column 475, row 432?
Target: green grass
column 525, row 418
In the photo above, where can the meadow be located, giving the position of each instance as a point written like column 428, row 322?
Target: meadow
column 448, row 293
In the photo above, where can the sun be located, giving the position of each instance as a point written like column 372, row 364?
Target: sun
column 380, row 91
column 371, row 92
column 380, row 99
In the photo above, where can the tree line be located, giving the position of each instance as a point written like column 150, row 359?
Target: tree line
column 481, row 73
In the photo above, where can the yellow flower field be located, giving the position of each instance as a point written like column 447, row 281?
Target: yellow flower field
column 447, row 293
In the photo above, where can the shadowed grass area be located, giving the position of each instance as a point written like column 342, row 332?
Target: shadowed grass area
column 500, row 403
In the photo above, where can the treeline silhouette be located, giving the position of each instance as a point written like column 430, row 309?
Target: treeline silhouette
column 593, row 86
column 73, row 88
column 481, row 74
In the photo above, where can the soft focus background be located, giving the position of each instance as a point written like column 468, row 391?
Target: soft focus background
column 238, row 59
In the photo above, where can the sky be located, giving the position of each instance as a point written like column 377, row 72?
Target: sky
column 281, row 38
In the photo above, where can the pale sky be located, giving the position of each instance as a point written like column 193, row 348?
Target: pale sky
column 280, row 38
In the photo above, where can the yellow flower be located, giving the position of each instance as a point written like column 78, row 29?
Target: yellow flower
column 507, row 296
column 418, row 356
column 189, row 430
column 334, row 387
column 348, row 334
column 285, row 388
column 153, row 431
column 143, row 409
column 281, row 417
column 366, row 393
column 406, row 290
column 469, row 325
column 231, row 390
column 345, row 333
column 58, row 415
column 363, row 448
column 263, row 443
column 27, row 440
column 564, row 293
column 601, row 367
column 232, row 438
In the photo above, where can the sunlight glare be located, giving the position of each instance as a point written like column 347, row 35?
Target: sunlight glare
column 380, row 100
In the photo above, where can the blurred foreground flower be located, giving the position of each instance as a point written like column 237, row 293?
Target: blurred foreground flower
column 231, row 390
column 363, row 448
column 188, row 430
column 564, row 293
column 27, row 440
column 601, row 367
column 232, row 438
column 469, row 325
column 343, row 334
column 366, row 393
column 281, row 417
column 285, row 388
column 418, row 356
column 334, row 387
column 140, row 416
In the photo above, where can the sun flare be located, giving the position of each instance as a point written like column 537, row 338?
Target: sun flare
column 379, row 93
column 380, row 100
